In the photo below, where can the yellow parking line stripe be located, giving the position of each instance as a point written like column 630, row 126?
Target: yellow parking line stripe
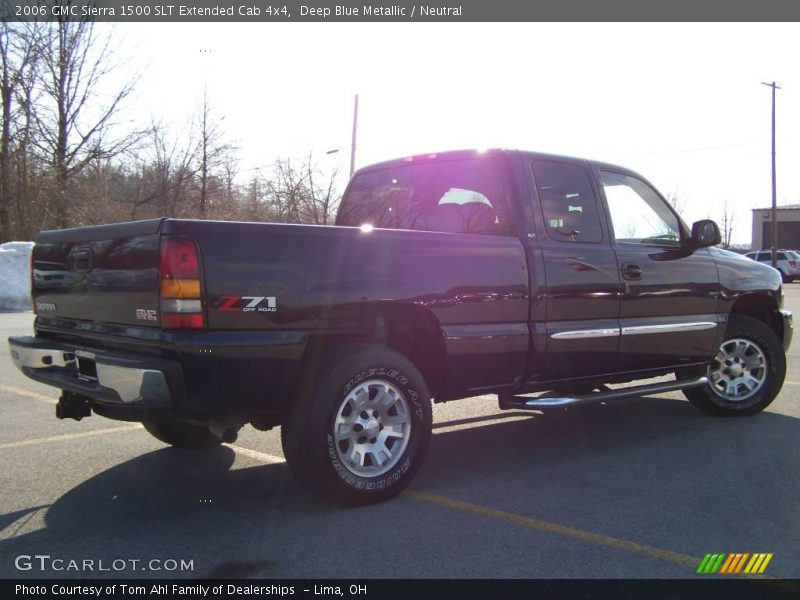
column 68, row 436
column 563, row 530
column 514, row 519
column 28, row 394
column 262, row 456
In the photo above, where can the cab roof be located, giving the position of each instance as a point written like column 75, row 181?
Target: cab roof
column 493, row 152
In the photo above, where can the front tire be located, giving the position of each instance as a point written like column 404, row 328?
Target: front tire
column 182, row 435
column 746, row 374
column 359, row 436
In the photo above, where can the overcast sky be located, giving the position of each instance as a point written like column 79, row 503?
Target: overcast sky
column 681, row 104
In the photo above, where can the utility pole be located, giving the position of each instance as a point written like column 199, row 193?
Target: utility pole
column 353, row 145
column 774, row 236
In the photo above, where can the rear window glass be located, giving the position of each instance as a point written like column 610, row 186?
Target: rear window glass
column 457, row 196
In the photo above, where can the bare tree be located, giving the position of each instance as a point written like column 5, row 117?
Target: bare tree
column 301, row 193
column 77, row 126
column 675, row 201
column 212, row 151
column 65, row 161
column 167, row 173
column 31, row 189
column 285, row 191
column 321, row 201
column 727, row 224
column 18, row 53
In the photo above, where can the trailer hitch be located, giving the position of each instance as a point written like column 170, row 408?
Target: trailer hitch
column 73, row 406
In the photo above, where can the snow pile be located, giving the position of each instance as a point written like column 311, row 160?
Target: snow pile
column 15, row 283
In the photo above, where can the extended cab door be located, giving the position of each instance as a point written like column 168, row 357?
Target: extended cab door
column 668, row 309
column 582, row 282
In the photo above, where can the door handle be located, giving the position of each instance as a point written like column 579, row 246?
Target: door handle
column 631, row 271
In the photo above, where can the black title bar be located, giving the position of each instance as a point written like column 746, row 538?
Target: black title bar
column 276, row 11
column 390, row 589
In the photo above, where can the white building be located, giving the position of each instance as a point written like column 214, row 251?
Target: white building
column 788, row 227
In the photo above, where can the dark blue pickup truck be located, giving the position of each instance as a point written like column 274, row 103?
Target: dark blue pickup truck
column 541, row 279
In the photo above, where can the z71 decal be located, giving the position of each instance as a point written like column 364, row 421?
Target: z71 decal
column 247, row 304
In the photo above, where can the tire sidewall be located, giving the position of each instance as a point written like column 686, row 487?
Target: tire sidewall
column 334, row 479
column 417, row 414
column 759, row 334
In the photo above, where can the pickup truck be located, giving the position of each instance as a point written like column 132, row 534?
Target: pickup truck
column 540, row 279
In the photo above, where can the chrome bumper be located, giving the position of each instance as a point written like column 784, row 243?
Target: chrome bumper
column 106, row 378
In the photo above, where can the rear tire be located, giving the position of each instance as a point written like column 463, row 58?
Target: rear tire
column 359, row 434
column 746, row 374
column 182, row 435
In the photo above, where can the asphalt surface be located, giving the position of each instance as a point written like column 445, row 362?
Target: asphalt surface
column 637, row 488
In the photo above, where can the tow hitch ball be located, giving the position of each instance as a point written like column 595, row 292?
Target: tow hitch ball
column 72, row 406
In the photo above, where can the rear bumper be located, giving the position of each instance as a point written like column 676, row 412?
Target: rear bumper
column 193, row 375
column 114, row 379
column 788, row 329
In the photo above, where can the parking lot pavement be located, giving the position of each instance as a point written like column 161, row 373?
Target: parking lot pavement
column 641, row 488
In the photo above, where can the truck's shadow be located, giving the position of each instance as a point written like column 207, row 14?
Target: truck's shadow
column 654, row 454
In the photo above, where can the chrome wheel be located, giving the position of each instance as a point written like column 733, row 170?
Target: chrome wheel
column 738, row 371
column 372, row 428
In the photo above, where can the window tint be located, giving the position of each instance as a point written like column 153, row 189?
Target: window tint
column 456, row 196
column 781, row 256
column 568, row 204
column 638, row 214
column 762, row 256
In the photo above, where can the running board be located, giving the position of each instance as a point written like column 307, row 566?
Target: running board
column 519, row 402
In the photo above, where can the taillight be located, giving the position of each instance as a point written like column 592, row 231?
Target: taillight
column 792, row 263
column 181, row 291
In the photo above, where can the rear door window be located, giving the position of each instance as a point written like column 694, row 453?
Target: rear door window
column 455, row 196
column 568, row 203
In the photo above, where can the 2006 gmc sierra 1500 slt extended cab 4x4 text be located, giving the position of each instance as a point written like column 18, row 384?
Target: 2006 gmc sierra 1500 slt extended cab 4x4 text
column 541, row 279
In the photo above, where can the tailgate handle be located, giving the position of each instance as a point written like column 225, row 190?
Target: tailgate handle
column 82, row 261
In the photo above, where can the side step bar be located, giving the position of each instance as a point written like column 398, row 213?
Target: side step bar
column 521, row 402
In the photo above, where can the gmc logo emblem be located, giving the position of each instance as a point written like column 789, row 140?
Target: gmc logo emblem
column 146, row 314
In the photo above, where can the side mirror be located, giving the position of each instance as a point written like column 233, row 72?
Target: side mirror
column 705, row 233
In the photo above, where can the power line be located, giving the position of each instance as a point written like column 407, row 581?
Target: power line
column 690, row 150
column 300, row 157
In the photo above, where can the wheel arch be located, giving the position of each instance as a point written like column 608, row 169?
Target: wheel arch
column 413, row 331
column 760, row 307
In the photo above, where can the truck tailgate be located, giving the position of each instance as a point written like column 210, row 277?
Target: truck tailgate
column 105, row 274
